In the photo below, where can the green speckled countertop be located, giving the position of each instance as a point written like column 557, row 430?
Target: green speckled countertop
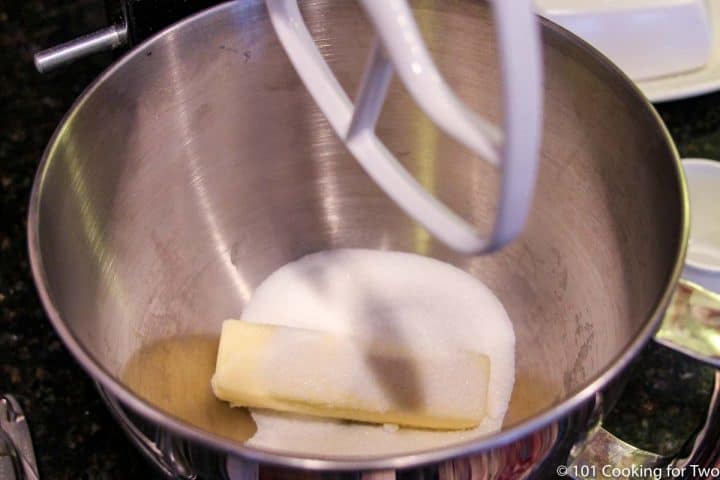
column 74, row 436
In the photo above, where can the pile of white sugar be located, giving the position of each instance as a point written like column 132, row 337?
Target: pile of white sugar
column 418, row 302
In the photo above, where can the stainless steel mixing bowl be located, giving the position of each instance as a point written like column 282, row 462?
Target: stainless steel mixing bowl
column 198, row 164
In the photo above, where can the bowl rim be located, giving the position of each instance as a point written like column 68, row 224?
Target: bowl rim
column 552, row 414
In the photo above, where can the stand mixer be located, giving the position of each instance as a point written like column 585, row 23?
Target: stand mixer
column 614, row 209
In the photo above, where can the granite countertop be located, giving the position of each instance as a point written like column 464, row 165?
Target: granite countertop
column 74, row 435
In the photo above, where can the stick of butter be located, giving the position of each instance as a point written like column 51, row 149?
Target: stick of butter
column 321, row 374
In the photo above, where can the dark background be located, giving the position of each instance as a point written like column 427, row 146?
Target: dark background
column 74, row 436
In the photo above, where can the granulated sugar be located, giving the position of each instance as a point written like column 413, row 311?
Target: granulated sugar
column 415, row 301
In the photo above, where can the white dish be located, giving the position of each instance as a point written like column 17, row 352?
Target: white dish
column 710, row 282
column 702, row 264
column 696, row 82
column 646, row 38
